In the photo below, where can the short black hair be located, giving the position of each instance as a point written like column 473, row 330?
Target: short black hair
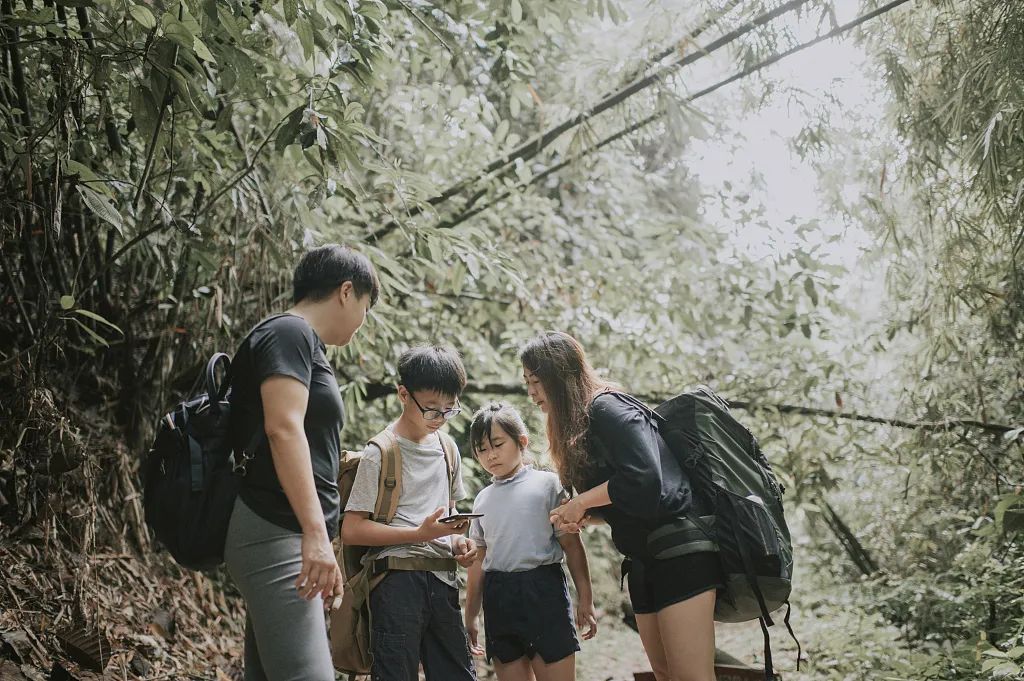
column 322, row 270
column 432, row 367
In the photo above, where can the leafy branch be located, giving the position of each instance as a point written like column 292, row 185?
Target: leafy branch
column 644, row 122
column 539, row 142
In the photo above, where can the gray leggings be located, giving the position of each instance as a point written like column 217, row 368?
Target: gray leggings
column 285, row 636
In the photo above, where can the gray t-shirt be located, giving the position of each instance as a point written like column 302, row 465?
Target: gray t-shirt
column 516, row 527
column 424, row 490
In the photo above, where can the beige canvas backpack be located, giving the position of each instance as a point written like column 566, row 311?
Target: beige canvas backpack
column 350, row 623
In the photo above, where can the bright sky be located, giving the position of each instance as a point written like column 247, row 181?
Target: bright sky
column 759, row 142
column 838, row 77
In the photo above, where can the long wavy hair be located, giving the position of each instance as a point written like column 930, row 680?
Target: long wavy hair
column 570, row 383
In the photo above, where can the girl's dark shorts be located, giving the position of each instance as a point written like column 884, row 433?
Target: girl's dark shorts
column 529, row 613
column 656, row 584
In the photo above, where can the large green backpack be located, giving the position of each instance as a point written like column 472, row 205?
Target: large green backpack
column 731, row 475
column 727, row 467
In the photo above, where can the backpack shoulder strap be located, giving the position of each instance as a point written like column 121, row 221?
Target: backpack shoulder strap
column 605, row 391
column 451, row 453
column 258, row 437
column 626, row 398
column 389, row 487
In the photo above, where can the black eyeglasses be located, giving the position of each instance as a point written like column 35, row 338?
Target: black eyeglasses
column 435, row 414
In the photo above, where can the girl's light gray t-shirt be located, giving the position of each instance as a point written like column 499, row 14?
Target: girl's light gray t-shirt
column 516, row 527
column 424, row 490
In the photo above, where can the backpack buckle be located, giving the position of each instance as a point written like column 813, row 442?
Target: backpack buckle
column 241, row 467
column 390, row 483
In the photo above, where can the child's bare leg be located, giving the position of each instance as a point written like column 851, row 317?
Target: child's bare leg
column 650, row 636
column 688, row 637
column 516, row 670
column 563, row 670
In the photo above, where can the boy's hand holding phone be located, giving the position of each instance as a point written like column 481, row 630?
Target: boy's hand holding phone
column 433, row 528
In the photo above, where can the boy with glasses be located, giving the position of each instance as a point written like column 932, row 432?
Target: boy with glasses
column 415, row 608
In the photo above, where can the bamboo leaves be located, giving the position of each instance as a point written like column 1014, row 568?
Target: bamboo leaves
column 67, row 304
column 183, row 30
column 98, row 318
column 291, row 11
column 304, row 31
column 201, row 50
column 290, row 130
column 101, row 207
column 143, row 108
column 143, row 16
column 811, row 291
column 1005, row 503
column 374, row 10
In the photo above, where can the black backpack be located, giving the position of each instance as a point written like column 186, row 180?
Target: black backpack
column 748, row 527
column 189, row 480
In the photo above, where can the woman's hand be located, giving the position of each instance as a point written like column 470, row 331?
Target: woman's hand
column 320, row 573
column 585, row 616
column 465, row 551
column 568, row 517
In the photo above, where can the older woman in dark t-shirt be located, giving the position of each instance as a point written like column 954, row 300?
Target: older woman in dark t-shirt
column 278, row 547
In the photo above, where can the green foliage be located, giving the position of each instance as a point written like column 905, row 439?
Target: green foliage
column 949, row 209
column 165, row 164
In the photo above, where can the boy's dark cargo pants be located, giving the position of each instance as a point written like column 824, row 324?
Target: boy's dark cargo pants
column 416, row 618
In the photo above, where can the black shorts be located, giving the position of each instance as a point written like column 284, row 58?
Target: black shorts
column 656, row 584
column 529, row 613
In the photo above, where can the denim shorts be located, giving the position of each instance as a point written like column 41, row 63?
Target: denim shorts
column 529, row 613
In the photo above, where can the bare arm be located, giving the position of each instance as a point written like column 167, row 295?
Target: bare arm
column 579, row 570
column 475, row 600
column 595, row 497
column 284, row 413
column 358, row 530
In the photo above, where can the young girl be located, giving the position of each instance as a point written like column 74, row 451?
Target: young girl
column 528, row 616
column 607, row 445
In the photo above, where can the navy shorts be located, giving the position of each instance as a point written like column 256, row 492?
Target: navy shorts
column 529, row 613
column 656, row 584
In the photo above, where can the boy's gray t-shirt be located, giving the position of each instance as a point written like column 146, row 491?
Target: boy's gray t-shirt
column 424, row 490
column 516, row 526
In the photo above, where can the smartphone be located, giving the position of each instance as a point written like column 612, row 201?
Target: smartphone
column 458, row 517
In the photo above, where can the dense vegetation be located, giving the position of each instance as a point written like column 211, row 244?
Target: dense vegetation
column 163, row 163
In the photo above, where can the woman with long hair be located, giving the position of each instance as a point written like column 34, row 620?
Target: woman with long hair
column 606, row 445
